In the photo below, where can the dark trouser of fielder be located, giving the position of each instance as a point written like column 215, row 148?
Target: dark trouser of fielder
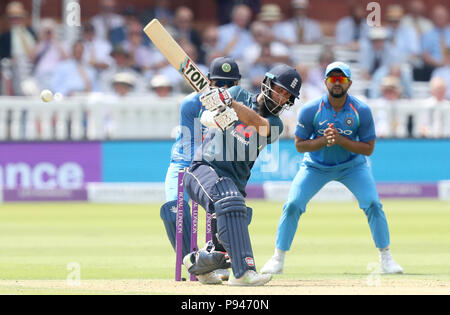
column 220, row 195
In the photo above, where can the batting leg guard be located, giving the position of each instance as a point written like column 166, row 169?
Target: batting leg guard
column 215, row 240
column 232, row 226
column 168, row 214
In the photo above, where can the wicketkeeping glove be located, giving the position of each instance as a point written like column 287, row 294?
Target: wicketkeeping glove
column 216, row 99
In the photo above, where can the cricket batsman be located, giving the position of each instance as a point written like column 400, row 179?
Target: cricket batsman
column 223, row 73
column 241, row 125
column 337, row 133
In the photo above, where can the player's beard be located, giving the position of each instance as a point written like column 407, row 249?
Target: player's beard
column 337, row 92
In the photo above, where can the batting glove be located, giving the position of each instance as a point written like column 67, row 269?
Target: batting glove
column 226, row 118
column 216, row 99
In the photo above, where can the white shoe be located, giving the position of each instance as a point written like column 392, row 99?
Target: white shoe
column 209, row 278
column 250, row 278
column 224, row 274
column 273, row 266
column 388, row 265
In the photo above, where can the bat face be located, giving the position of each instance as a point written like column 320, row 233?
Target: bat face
column 176, row 55
column 193, row 75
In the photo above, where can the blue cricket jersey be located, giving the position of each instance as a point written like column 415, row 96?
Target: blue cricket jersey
column 233, row 153
column 353, row 121
column 190, row 135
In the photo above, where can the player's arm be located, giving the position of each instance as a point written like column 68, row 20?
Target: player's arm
column 249, row 117
column 220, row 100
column 333, row 137
column 358, row 147
column 310, row 145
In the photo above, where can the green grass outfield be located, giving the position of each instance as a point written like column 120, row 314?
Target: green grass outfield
column 128, row 243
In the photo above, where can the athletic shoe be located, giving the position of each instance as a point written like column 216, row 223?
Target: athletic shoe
column 250, row 278
column 388, row 265
column 209, row 278
column 273, row 266
column 224, row 274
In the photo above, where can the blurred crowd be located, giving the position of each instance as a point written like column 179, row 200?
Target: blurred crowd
column 112, row 55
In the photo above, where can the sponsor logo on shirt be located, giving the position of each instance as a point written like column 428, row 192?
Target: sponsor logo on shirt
column 341, row 131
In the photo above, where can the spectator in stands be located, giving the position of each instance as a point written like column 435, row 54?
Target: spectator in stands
column 315, row 74
column 47, row 54
column 308, row 91
column 402, row 38
column 225, row 8
column 436, row 43
column 97, row 51
column 234, row 38
column 271, row 15
column 262, row 55
column 384, row 108
column 161, row 86
column 184, row 31
column 121, row 63
column 19, row 41
column 123, row 84
column 141, row 55
column 299, row 29
column 398, row 70
column 161, row 11
column 443, row 73
column 416, row 18
column 210, row 38
column 376, row 53
column 118, row 35
column 265, row 51
column 17, row 44
column 107, row 19
column 435, row 122
column 73, row 76
column 351, row 29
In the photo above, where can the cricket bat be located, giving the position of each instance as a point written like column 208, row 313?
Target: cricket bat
column 176, row 56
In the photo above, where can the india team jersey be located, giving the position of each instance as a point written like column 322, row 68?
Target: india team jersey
column 190, row 134
column 353, row 121
column 232, row 153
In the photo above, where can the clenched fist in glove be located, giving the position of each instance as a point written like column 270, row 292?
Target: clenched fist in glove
column 216, row 99
column 223, row 119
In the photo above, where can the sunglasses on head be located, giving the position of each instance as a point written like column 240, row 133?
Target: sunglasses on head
column 336, row 78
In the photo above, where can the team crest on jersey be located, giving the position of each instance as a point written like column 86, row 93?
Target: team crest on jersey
column 349, row 121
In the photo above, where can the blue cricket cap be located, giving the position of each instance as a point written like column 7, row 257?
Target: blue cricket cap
column 343, row 67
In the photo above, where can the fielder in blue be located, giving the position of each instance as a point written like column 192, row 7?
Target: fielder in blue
column 337, row 133
column 223, row 72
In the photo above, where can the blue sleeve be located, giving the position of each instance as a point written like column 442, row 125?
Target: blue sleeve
column 305, row 127
column 366, row 130
column 189, row 110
